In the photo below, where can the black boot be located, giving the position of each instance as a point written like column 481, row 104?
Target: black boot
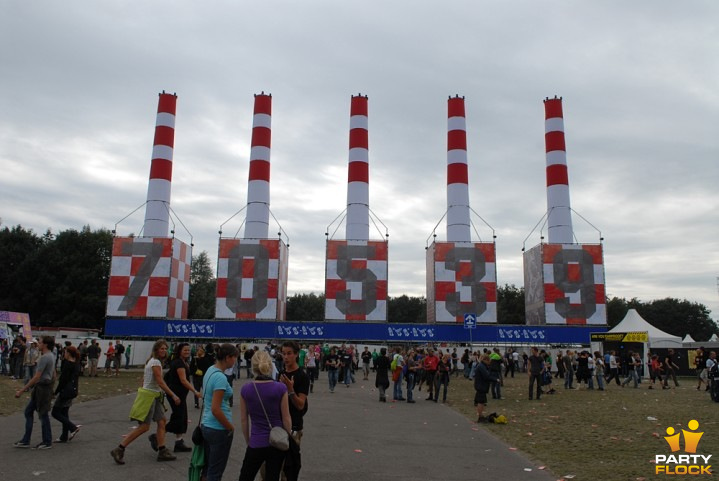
column 181, row 447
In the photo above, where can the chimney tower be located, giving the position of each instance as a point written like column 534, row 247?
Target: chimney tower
column 157, row 210
column 358, row 172
column 258, row 189
column 458, row 221
column 559, row 217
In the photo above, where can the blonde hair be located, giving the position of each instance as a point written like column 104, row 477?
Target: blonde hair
column 262, row 364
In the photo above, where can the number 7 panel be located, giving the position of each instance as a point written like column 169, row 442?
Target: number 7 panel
column 149, row 277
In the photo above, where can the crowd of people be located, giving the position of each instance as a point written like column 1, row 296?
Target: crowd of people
column 580, row 369
column 281, row 380
column 19, row 358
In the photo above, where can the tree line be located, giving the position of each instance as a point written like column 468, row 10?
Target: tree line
column 61, row 280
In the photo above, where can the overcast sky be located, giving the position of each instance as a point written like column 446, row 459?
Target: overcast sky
column 640, row 83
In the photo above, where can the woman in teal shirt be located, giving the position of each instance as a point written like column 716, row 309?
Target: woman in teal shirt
column 217, row 427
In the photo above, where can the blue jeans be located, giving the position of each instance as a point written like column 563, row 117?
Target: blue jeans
column 44, row 422
column 397, row 395
column 631, row 376
column 410, row 386
column 217, row 451
column 600, row 381
column 348, row 375
column 442, row 380
column 568, row 379
column 332, row 377
column 495, row 388
column 29, row 373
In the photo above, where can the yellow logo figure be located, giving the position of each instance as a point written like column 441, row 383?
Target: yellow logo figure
column 691, row 440
column 672, row 439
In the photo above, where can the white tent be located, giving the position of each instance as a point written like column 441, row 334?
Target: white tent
column 687, row 339
column 633, row 322
column 714, row 338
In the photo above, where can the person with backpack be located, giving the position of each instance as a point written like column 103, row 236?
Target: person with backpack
column 119, row 351
column 495, row 367
column 482, row 380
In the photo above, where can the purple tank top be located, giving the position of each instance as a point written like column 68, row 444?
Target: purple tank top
column 271, row 393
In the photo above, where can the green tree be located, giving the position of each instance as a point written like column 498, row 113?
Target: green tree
column 17, row 246
column 202, row 288
column 616, row 310
column 680, row 317
column 306, row 307
column 64, row 281
column 405, row 309
column 510, row 304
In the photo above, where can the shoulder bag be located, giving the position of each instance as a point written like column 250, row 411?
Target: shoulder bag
column 279, row 437
column 197, row 437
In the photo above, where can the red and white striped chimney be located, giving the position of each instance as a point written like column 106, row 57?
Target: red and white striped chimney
column 358, row 178
column 559, row 218
column 157, row 209
column 258, row 190
column 458, row 221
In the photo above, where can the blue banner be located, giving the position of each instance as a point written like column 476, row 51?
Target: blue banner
column 349, row 331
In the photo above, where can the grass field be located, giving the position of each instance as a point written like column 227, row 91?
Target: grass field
column 90, row 388
column 595, row 435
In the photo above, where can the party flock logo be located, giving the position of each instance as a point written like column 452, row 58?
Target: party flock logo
column 682, row 464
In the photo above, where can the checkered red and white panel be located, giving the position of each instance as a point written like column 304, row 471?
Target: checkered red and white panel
column 356, row 281
column 574, row 291
column 465, row 281
column 149, row 277
column 282, row 287
column 251, row 279
column 179, row 280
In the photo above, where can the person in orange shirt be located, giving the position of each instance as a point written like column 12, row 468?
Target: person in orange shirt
column 110, row 356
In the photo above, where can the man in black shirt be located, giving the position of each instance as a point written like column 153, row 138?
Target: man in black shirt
column 298, row 387
column 670, row 369
column 332, row 362
column 93, row 355
column 249, row 352
column 366, row 359
column 535, row 365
